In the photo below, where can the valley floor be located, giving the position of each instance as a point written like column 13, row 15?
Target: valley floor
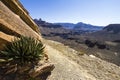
column 71, row 66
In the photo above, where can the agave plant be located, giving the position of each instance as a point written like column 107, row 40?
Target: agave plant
column 23, row 50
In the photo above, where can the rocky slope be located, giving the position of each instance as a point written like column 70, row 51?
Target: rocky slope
column 109, row 38
column 71, row 66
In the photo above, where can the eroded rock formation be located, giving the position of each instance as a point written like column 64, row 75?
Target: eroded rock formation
column 14, row 22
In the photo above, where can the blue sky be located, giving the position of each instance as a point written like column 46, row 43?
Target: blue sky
column 96, row 12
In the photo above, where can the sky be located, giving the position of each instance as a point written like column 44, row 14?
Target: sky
column 95, row 12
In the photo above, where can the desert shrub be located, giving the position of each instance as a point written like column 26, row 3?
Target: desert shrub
column 87, row 42
column 101, row 46
column 23, row 50
column 90, row 43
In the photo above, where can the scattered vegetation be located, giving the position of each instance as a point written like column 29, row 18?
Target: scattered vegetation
column 89, row 43
column 23, row 50
column 101, row 46
column 92, row 44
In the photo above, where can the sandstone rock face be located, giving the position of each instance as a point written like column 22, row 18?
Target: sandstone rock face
column 4, row 39
column 16, row 7
column 15, row 21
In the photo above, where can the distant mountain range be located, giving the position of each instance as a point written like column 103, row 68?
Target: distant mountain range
column 111, row 28
column 76, row 27
column 81, row 26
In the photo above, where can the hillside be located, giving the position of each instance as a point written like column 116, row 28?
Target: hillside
column 71, row 66
column 109, row 33
column 103, row 44
column 113, row 28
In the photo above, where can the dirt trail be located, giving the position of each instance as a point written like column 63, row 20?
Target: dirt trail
column 66, row 69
